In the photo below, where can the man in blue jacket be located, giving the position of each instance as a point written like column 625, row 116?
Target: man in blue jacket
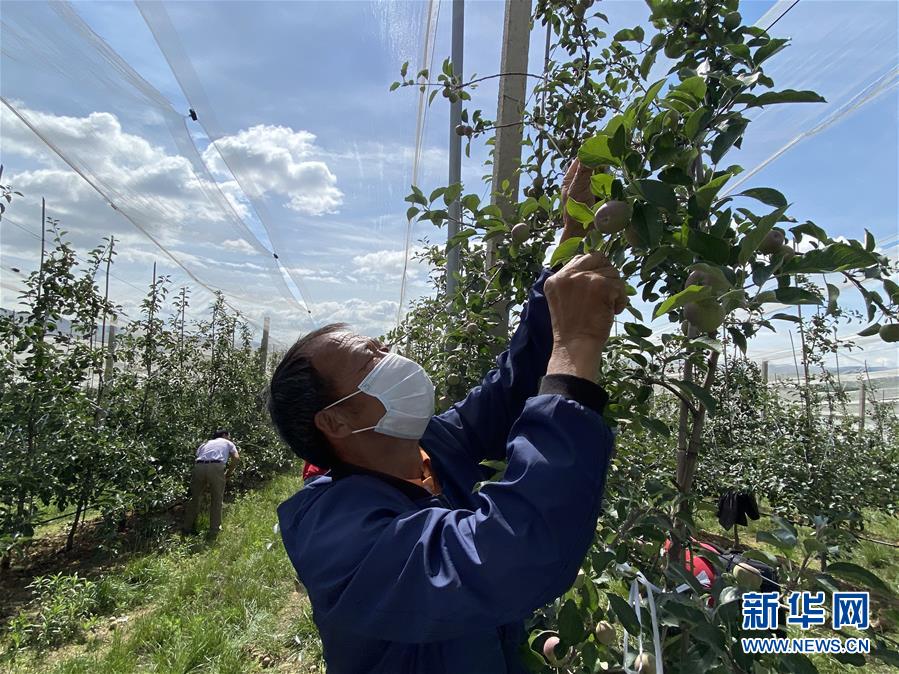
column 407, row 567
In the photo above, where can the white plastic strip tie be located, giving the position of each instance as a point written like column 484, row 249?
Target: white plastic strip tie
column 634, row 599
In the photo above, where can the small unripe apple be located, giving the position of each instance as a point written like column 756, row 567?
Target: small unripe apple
column 460, row 129
column 612, row 217
column 605, row 633
column 705, row 315
column 549, row 652
column 787, row 252
column 772, row 242
column 747, row 576
column 600, row 113
column 696, row 278
column 889, row 332
column 520, row 233
column 672, row 118
column 645, row 663
column 732, row 20
column 472, row 329
column 453, row 379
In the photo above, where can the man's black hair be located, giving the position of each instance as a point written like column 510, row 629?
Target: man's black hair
column 220, row 433
column 296, row 393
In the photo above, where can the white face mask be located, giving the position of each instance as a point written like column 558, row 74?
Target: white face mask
column 406, row 392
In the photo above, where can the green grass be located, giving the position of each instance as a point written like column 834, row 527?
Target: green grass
column 229, row 607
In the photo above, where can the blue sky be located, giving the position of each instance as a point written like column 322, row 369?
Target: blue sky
column 300, row 90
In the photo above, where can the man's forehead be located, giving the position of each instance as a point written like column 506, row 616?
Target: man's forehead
column 334, row 344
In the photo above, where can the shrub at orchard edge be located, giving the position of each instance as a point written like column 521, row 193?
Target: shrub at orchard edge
column 655, row 115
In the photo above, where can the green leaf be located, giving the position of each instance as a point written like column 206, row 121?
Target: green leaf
column 656, row 426
column 776, row 97
column 637, row 330
column 601, row 184
column 870, row 330
column 796, row 663
column 695, row 86
column 698, row 392
column 706, row 194
column 595, row 152
column 565, row 251
column 753, row 239
column 697, row 122
column 857, row 574
column 630, row 35
column 624, row 613
column 685, row 296
column 791, row 295
column 769, row 49
column 727, row 138
column 534, row 662
column 578, row 211
column 886, row 655
column 741, row 51
column 657, row 193
column 651, row 94
column 834, row 257
column 571, row 625
column 471, row 202
column 411, row 212
column 766, row 195
column 708, row 247
column 394, row 86
column 709, row 343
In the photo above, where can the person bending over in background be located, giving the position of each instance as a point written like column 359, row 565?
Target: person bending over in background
column 407, row 567
column 215, row 463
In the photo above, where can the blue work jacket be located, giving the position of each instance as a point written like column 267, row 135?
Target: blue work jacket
column 403, row 582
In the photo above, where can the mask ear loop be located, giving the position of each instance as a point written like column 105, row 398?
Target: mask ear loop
column 337, row 402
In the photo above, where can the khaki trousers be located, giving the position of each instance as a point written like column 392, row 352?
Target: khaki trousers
column 211, row 477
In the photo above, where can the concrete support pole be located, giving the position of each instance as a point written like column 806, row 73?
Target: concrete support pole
column 455, row 150
column 263, row 347
column 861, row 407
column 765, row 371
column 110, row 354
column 510, row 109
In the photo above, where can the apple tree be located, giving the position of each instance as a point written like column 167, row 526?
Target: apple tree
column 655, row 114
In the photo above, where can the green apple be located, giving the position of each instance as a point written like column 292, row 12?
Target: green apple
column 704, row 315
column 772, row 242
column 612, row 217
column 890, row 332
column 645, row 663
column 520, row 233
column 605, row 633
column 747, row 577
column 549, row 652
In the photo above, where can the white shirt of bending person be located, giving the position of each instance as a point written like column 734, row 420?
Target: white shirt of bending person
column 218, row 449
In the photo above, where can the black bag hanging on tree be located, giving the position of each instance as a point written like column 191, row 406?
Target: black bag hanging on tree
column 736, row 508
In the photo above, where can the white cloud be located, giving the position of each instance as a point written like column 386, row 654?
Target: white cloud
column 239, row 245
column 279, row 160
column 363, row 316
column 388, row 265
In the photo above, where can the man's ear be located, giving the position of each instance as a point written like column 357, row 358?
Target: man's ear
column 332, row 424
